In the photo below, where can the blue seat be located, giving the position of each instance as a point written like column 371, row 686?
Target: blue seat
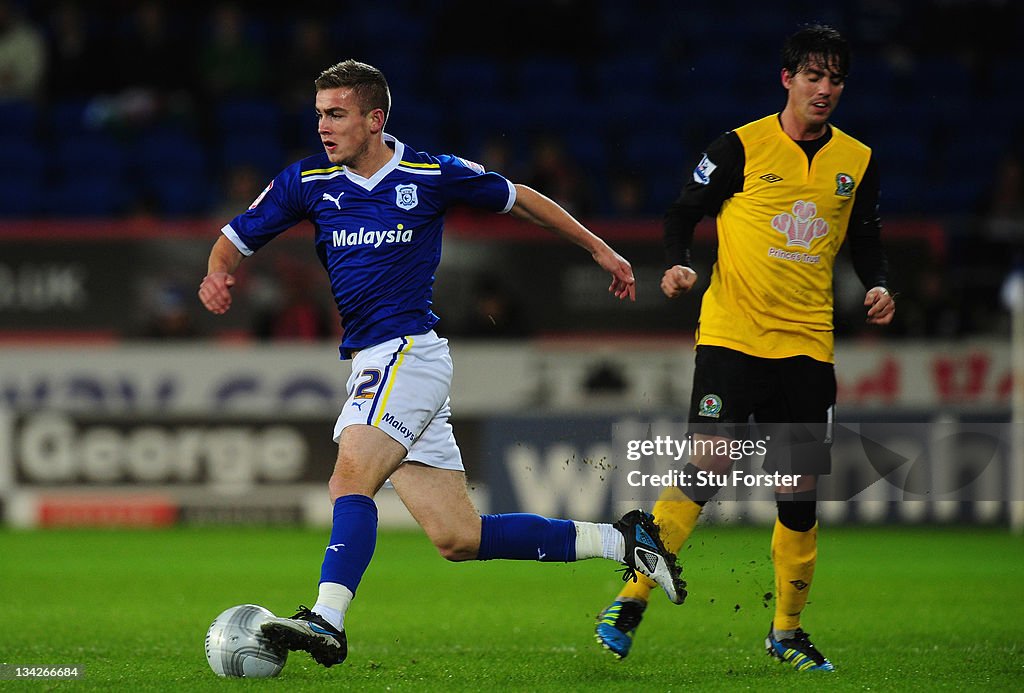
column 300, row 135
column 911, row 175
column 548, row 78
column 952, row 196
column 420, row 126
column 72, row 116
column 21, row 157
column 871, row 75
column 20, row 195
column 88, row 178
column 402, row 25
column 899, row 194
column 940, row 75
column 91, row 154
column 630, row 28
column 88, row 196
column 560, row 116
column 179, row 194
column 629, row 79
column 486, row 117
column 407, row 75
column 587, row 148
column 672, row 119
column 18, row 117
column 907, row 151
column 263, row 151
column 663, row 189
column 248, row 115
column 475, row 78
column 969, row 166
column 652, row 148
column 761, row 24
column 168, row 149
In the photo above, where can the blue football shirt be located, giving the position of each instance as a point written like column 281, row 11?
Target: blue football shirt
column 379, row 238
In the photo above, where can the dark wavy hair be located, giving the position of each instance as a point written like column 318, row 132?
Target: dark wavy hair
column 814, row 41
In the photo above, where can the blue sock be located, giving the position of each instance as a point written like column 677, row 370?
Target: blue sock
column 525, row 537
column 353, row 538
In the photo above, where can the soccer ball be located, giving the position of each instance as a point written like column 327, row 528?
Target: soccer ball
column 236, row 647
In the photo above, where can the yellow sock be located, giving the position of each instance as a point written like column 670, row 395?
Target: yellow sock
column 676, row 516
column 793, row 555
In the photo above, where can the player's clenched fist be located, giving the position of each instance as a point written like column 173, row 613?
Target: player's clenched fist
column 881, row 306
column 677, row 280
column 215, row 292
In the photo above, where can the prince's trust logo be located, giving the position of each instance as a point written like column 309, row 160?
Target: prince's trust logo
column 800, row 228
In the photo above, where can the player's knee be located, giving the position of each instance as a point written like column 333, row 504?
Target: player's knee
column 456, row 546
column 336, row 487
column 797, row 511
column 346, row 484
column 699, row 488
column 717, row 464
column 456, row 551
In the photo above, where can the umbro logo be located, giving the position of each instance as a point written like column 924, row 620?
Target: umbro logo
column 799, row 584
column 771, row 178
column 335, row 200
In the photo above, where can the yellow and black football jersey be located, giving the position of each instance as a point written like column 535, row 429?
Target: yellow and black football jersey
column 783, row 210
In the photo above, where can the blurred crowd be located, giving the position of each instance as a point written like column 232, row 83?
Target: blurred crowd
column 151, row 107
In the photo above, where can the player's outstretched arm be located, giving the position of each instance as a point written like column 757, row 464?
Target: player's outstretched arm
column 545, row 212
column 215, row 289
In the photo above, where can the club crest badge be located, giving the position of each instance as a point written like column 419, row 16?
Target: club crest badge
column 405, row 196
column 845, row 184
column 710, row 405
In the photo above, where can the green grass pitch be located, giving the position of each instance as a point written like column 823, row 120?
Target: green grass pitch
column 896, row 609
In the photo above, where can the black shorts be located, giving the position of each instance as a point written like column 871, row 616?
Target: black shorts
column 791, row 401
